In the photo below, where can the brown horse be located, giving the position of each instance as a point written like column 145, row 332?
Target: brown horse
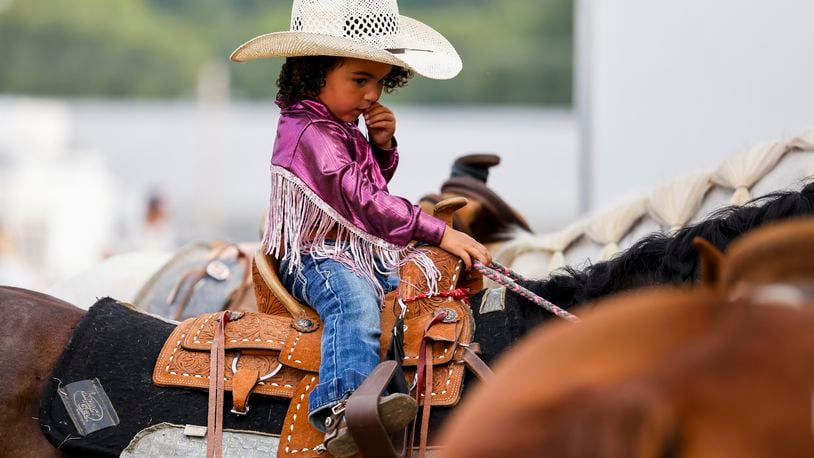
column 666, row 372
column 36, row 330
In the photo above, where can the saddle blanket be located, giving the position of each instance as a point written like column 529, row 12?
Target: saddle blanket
column 119, row 346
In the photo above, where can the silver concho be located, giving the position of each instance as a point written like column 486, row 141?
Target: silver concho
column 305, row 324
column 218, row 270
column 451, row 315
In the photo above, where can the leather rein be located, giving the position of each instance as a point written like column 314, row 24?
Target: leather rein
column 508, row 278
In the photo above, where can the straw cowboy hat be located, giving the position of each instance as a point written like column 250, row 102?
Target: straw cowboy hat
column 364, row 29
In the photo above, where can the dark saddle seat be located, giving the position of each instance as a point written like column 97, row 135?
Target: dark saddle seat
column 201, row 277
column 487, row 216
column 276, row 351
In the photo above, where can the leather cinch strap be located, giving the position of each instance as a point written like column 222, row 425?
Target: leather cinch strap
column 475, row 364
column 217, row 360
column 424, row 383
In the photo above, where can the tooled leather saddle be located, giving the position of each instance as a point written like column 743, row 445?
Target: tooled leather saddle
column 276, row 351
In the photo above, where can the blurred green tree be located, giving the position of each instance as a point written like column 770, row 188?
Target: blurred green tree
column 95, row 48
column 514, row 51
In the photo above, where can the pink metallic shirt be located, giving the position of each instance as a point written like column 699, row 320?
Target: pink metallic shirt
column 329, row 183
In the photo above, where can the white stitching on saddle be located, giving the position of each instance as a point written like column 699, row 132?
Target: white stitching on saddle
column 198, row 341
column 291, row 350
column 294, row 418
column 449, row 380
column 245, row 340
column 437, row 357
column 200, row 328
column 184, row 374
column 169, row 361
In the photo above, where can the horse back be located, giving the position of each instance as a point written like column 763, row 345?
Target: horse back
column 36, row 329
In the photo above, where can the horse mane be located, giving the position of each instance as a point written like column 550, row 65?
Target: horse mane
column 670, row 258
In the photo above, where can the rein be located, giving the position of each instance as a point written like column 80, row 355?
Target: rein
column 508, row 278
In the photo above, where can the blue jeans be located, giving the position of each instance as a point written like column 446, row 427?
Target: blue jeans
column 349, row 308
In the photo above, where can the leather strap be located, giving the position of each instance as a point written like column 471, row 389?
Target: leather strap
column 425, row 414
column 362, row 413
column 217, row 359
column 243, row 383
column 475, row 363
column 424, row 383
column 421, row 381
column 196, row 276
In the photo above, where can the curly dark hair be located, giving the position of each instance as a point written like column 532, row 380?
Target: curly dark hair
column 303, row 77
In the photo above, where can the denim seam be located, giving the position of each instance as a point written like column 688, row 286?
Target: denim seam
column 304, row 288
column 326, row 276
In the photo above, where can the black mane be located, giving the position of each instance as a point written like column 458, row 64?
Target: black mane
column 656, row 259
column 670, row 259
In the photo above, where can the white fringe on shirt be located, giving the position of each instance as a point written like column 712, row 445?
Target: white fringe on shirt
column 299, row 222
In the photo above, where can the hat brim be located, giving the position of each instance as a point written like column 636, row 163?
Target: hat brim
column 422, row 49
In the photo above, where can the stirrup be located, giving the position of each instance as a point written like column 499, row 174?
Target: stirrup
column 396, row 411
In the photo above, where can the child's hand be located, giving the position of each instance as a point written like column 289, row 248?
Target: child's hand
column 381, row 125
column 465, row 247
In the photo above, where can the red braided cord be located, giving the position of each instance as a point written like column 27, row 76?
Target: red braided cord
column 462, row 294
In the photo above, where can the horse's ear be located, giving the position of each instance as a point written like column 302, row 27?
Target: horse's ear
column 447, row 207
column 635, row 420
column 710, row 259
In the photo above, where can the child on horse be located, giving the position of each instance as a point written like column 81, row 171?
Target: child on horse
column 340, row 235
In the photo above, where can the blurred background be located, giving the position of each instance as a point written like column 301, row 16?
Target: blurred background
column 123, row 126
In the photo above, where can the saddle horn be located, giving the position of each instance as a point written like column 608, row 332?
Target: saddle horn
column 447, row 208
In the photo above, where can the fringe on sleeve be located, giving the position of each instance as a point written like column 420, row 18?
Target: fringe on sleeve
column 299, row 222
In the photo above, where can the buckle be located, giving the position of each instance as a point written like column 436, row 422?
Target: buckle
column 414, row 383
column 238, row 412
column 338, row 408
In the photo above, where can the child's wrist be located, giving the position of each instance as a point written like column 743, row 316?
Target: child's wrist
column 387, row 145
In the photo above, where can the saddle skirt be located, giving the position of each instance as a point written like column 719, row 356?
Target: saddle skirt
column 284, row 349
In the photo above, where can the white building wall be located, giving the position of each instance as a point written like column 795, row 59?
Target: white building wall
column 58, row 204
column 670, row 88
